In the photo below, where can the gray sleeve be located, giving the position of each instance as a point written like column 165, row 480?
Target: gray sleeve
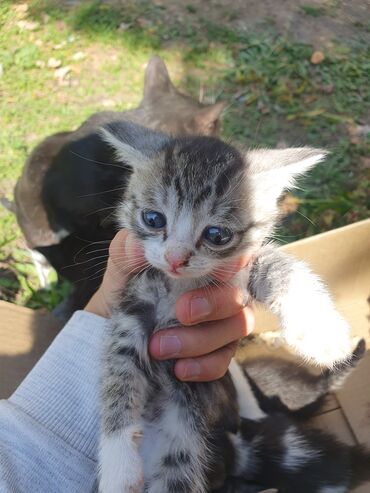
column 49, row 426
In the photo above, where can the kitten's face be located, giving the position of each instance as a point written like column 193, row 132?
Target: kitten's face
column 196, row 202
column 190, row 209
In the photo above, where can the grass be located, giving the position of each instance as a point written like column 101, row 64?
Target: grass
column 276, row 94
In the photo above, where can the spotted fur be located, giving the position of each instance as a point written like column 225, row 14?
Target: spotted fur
column 182, row 429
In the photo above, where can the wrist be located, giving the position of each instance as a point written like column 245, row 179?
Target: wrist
column 98, row 304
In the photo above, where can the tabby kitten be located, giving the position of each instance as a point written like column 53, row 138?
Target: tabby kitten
column 195, row 203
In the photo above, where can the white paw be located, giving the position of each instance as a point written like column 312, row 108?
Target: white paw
column 273, row 339
column 321, row 337
column 121, row 468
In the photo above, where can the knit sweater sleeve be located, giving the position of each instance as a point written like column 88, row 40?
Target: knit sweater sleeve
column 49, row 426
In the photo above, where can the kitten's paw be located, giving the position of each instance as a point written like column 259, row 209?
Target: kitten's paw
column 322, row 338
column 121, row 468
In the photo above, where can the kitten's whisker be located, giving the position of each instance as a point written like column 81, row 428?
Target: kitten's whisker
column 85, row 261
column 108, row 216
column 96, row 265
column 93, row 276
column 100, row 193
column 122, row 167
column 100, row 210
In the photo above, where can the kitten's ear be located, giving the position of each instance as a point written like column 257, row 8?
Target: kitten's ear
column 157, row 80
column 206, row 118
column 133, row 144
column 273, row 171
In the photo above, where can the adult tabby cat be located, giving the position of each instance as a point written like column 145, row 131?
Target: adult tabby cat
column 195, row 203
column 71, row 181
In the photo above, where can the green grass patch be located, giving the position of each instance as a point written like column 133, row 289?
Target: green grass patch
column 276, row 95
column 312, row 10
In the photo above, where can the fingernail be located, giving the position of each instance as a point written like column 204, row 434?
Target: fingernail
column 169, row 346
column 199, row 308
column 192, row 369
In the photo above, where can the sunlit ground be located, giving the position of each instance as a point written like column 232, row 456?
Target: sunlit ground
column 60, row 64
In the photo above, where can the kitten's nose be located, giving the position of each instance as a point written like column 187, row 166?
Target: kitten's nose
column 177, row 258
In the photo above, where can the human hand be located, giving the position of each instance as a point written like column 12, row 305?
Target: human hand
column 213, row 319
column 125, row 257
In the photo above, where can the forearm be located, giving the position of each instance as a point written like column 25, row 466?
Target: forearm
column 308, row 318
column 49, row 426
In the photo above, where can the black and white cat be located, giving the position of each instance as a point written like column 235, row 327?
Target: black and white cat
column 279, row 450
column 195, row 203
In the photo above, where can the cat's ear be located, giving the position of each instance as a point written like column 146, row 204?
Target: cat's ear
column 273, row 171
column 133, row 144
column 206, row 118
column 157, row 80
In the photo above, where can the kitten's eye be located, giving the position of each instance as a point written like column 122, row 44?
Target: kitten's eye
column 154, row 219
column 217, row 236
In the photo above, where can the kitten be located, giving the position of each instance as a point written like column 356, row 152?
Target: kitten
column 282, row 386
column 64, row 197
column 195, row 203
column 279, row 451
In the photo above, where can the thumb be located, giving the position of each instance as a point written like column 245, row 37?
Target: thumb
column 126, row 256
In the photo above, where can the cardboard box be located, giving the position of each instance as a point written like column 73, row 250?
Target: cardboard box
column 341, row 257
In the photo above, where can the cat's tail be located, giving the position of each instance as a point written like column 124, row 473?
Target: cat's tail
column 337, row 376
column 360, row 465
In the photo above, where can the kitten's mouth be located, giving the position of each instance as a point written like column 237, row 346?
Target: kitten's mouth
column 174, row 273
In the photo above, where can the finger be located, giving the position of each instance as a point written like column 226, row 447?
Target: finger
column 211, row 303
column 206, row 368
column 125, row 250
column 196, row 341
column 228, row 269
column 126, row 256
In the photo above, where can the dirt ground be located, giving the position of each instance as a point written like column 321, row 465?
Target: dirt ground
column 317, row 22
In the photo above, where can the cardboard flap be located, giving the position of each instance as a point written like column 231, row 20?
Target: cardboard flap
column 24, row 336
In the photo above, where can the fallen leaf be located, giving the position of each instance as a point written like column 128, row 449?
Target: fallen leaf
column 124, row 26
column 143, row 22
column 60, row 25
column 60, row 45
column 354, row 138
column 365, row 162
column 327, row 88
column 60, row 73
column 317, row 57
column 363, row 129
column 21, row 8
column 108, row 103
column 327, row 217
column 54, row 63
column 262, row 107
column 28, row 25
column 288, row 204
column 79, row 55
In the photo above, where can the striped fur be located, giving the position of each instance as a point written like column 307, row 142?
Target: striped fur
column 197, row 183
